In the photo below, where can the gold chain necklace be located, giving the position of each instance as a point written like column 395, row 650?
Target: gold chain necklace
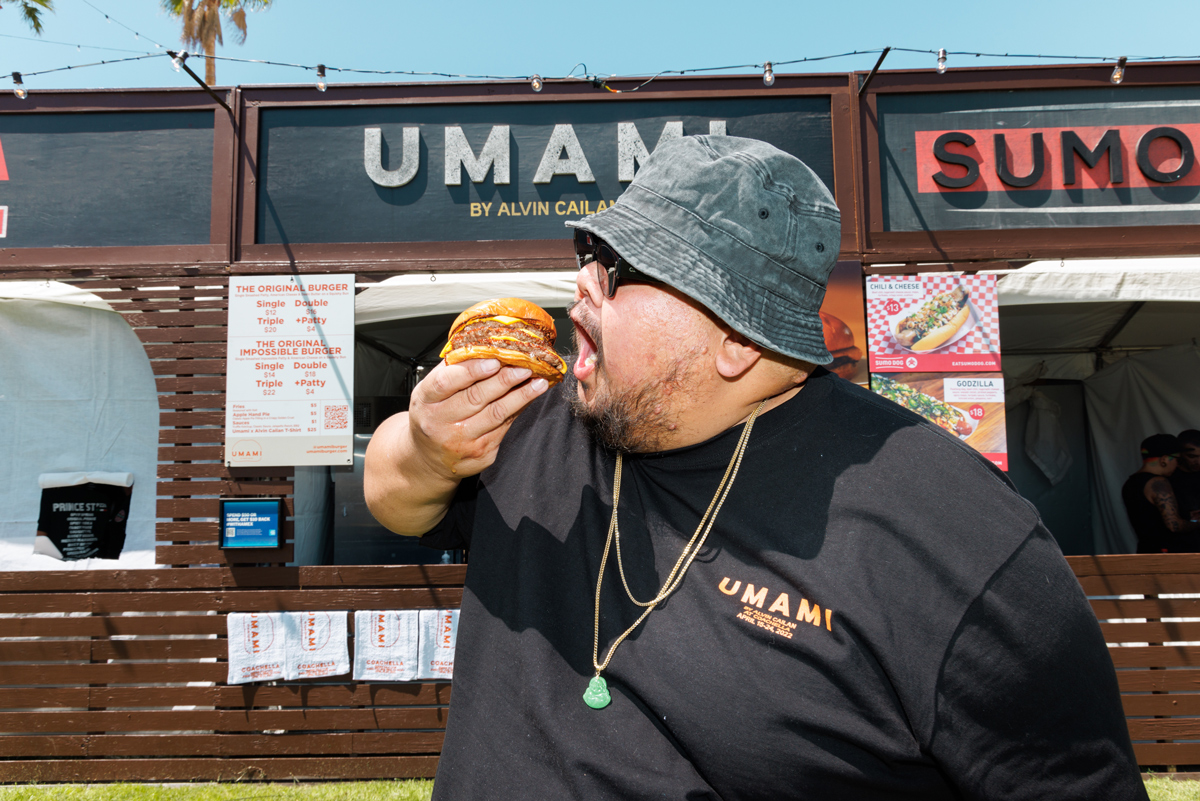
column 597, row 695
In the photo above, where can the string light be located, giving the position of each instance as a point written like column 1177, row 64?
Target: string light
column 537, row 82
column 1119, row 70
column 321, row 85
column 19, row 87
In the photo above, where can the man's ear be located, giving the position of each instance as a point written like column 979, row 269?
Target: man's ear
column 736, row 354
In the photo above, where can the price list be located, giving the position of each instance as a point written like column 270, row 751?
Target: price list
column 290, row 370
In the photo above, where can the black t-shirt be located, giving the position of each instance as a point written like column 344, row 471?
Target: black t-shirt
column 1187, row 492
column 875, row 615
column 85, row 520
column 1153, row 536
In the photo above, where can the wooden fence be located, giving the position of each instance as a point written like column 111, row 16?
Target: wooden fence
column 120, row 676
column 1154, row 638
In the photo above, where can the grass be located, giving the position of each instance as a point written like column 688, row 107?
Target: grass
column 410, row 790
column 1164, row 789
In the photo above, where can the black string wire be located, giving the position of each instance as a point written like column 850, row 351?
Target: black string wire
column 68, row 44
column 93, row 64
column 596, row 80
column 122, row 24
column 1130, row 59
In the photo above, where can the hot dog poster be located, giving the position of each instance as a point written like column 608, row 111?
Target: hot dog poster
column 968, row 405
column 943, row 322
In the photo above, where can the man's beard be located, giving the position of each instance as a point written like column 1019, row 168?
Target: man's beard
column 634, row 420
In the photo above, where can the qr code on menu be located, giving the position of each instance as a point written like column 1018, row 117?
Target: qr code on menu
column 336, row 417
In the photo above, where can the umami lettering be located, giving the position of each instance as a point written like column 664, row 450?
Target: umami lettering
column 806, row 611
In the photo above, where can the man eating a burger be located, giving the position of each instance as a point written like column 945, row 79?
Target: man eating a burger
column 705, row 567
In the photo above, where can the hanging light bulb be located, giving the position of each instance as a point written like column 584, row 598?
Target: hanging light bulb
column 768, row 75
column 321, row 85
column 1119, row 70
column 19, row 87
column 177, row 60
column 941, row 67
column 536, row 83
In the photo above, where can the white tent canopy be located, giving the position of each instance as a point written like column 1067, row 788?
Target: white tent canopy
column 77, row 395
column 1126, row 329
column 426, row 294
column 1102, row 280
column 1072, row 318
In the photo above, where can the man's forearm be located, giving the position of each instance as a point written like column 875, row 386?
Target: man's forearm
column 401, row 491
column 1159, row 492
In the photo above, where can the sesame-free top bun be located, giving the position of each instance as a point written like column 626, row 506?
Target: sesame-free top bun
column 838, row 335
column 520, row 308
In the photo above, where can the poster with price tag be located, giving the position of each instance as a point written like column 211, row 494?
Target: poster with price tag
column 289, row 382
column 968, row 405
column 941, row 321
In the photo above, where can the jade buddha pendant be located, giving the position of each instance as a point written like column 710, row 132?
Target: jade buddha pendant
column 597, row 696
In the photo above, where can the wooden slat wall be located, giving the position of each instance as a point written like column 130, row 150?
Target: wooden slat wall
column 182, row 322
column 1154, row 641
column 120, row 676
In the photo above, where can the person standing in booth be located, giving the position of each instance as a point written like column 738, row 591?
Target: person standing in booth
column 1186, row 478
column 1151, row 504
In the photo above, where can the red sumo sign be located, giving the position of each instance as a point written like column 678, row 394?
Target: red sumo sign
column 1080, row 157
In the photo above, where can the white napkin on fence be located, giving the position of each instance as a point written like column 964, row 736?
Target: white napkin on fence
column 439, row 632
column 316, row 645
column 385, row 645
column 257, row 646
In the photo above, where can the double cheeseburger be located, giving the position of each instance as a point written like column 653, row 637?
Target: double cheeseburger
column 839, row 340
column 515, row 331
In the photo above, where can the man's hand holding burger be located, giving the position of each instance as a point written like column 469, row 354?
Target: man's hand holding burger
column 458, row 414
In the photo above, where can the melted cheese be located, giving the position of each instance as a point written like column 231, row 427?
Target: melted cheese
column 506, row 320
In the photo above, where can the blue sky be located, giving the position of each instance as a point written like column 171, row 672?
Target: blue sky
column 625, row 37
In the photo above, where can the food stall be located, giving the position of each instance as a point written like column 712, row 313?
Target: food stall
column 163, row 211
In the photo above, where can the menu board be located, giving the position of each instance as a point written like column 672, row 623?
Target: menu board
column 934, row 345
column 290, row 372
column 968, row 405
column 942, row 321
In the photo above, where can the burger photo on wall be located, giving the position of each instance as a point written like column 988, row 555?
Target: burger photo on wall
column 839, row 340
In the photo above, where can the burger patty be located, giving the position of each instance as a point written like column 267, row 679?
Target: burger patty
column 524, row 339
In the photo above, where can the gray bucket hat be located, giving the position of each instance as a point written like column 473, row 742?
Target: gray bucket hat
column 738, row 225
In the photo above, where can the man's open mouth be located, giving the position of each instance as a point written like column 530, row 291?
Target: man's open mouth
column 588, row 351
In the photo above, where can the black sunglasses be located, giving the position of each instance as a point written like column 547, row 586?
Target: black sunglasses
column 611, row 269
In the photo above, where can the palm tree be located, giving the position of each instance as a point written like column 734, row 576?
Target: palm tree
column 31, row 12
column 202, row 25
